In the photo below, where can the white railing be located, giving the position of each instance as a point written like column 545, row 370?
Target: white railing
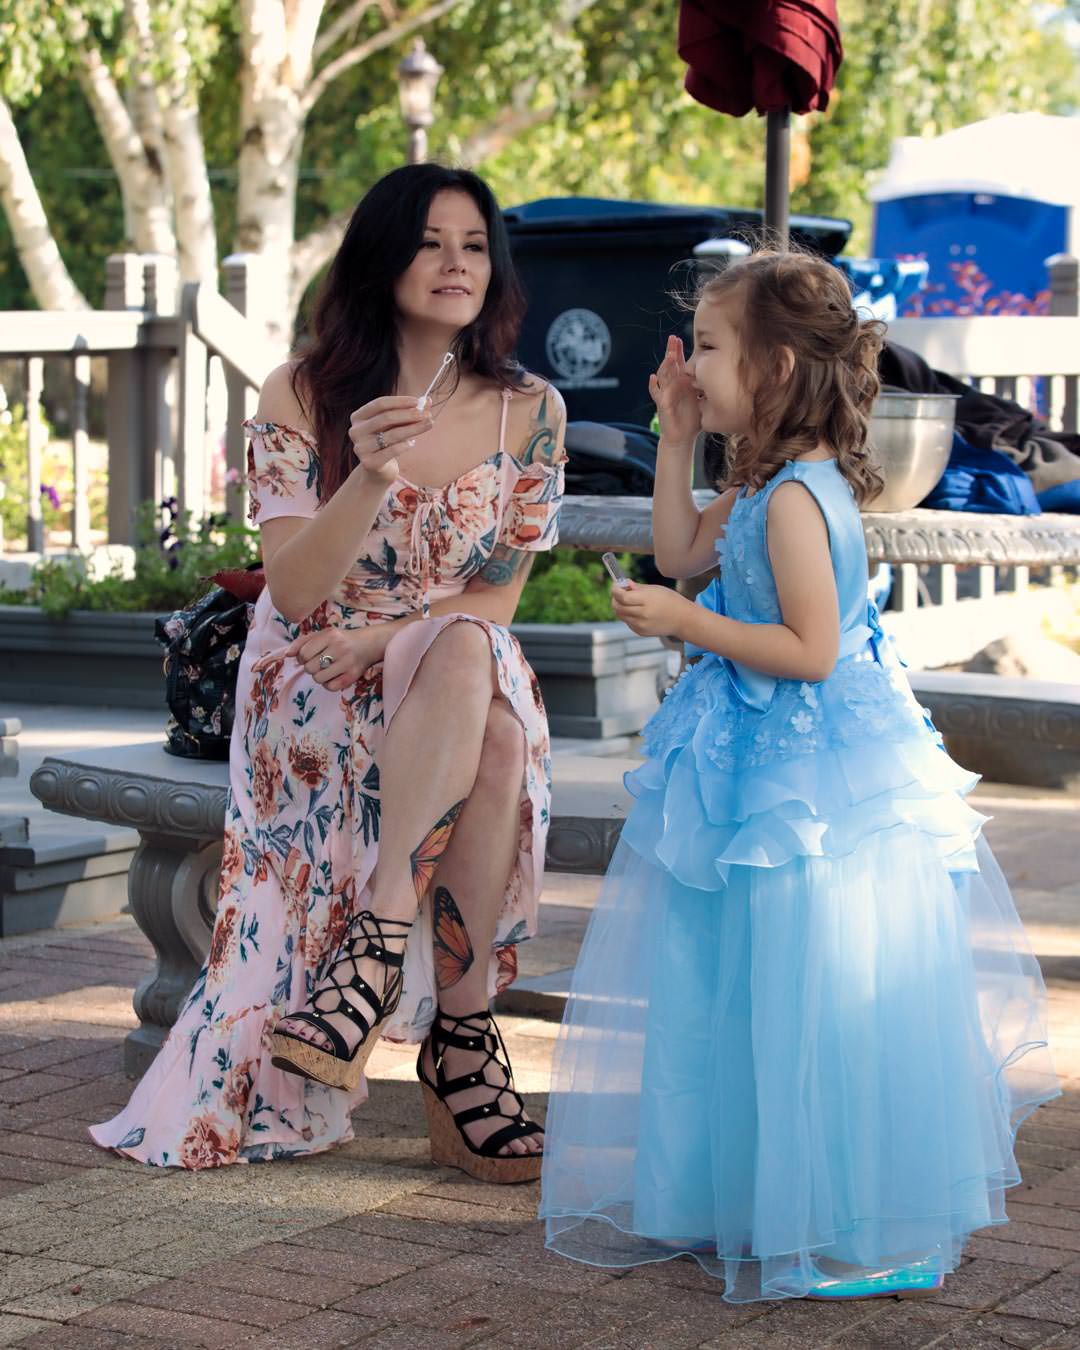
column 157, row 389
column 157, row 427
column 942, row 613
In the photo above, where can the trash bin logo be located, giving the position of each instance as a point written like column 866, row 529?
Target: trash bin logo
column 578, row 346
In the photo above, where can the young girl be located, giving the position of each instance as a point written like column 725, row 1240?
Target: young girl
column 805, row 1023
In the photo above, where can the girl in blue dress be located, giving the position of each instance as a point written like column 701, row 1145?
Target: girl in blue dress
column 805, row 1023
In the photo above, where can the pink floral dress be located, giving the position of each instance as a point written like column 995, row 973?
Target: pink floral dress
column 302, row 822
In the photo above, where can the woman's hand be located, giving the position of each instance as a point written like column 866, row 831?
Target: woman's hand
column 381, row 429
column 673, row 392
column 650, row 611
column 334, row 657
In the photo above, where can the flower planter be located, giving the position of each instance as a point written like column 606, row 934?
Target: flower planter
column 597, row 679
column 87, row 658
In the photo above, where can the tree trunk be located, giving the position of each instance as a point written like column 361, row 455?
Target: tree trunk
column 141, row 100
column 185, row 157
column 196, row 238
column 49, row 279
column 141, row 175
column 278, row 39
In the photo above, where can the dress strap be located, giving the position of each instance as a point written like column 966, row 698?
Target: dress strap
column 506, row 396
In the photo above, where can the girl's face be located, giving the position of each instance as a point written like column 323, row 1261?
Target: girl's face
column 445, row 284
column 714, row 368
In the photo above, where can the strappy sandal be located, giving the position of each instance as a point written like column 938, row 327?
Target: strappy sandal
column 367, row 1010
column 450, row 1145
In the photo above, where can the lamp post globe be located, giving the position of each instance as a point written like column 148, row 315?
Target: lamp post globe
column 418, row 76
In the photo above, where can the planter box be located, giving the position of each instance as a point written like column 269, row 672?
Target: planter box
column 109, row 660
column 598, row 679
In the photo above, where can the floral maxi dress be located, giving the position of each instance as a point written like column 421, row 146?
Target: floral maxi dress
column 302, row 821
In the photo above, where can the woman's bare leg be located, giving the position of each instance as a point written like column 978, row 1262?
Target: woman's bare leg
column 427, row 768
column 467, row 896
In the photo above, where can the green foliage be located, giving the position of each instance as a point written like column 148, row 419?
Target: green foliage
column 607, row 112
column 174, row 562
column 922, row 67
column 78, row 190
column 569, row 587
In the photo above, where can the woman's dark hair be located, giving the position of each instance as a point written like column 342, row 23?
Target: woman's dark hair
column 800, row 302
column 352, row 356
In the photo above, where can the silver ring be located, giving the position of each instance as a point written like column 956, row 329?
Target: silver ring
column 380, row 440
column 325, row 660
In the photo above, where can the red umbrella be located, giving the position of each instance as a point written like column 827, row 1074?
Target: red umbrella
column 775, row 56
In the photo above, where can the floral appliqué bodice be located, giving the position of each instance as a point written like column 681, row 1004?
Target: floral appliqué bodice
column 764, row 718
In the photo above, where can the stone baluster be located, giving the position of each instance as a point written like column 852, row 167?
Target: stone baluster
column 36, row 440
column 80, row 450
column 1064, row 272
column 125, row 408
column 241, row 273
column 161, row 282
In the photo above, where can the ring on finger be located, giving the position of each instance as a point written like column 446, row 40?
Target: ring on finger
column 325, row 660
column 380, row 440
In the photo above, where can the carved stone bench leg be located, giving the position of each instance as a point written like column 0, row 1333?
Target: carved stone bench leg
column 172, row 891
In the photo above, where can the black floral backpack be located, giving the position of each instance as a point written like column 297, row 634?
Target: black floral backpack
column 203, row 645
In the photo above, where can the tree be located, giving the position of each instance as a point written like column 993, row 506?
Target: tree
column 922, row 67
column 256, row 125
column 143, row 65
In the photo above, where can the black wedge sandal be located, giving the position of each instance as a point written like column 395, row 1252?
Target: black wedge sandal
column 367, row 1010
column 450, row 1145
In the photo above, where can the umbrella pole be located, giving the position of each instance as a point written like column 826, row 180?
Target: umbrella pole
column 777, row 163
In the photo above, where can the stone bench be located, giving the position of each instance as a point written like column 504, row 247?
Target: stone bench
column 178, row 808
column 1009, row 730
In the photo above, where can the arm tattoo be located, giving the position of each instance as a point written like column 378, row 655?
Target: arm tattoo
column 506, row 565
column 453, row 951
column 548, row 422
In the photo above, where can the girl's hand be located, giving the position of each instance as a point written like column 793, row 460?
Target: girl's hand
column 650, row 611
column 673, row 392
column 351, row 652
column 381, row 429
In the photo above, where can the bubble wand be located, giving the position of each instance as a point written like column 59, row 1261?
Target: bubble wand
column 444, row 366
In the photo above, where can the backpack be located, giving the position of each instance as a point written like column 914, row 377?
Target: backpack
column 203, row 646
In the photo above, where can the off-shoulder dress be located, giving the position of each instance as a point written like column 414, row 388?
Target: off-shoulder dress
column 302, row 821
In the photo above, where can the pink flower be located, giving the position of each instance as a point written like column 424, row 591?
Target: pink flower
column 266, row 781
column 209, row 1143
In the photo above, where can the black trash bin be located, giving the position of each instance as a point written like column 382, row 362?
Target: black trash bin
column 598, row 274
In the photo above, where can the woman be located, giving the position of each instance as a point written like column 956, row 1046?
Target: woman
column 390, row 744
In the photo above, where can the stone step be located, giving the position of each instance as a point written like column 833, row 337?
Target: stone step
column 62, row 872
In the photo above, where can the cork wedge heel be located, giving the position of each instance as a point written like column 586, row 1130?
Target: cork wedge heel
column 295, row 1055
column 450, row 1145
column 343, row 992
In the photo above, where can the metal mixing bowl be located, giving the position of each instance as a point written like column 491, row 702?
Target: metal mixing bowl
column 911, row 436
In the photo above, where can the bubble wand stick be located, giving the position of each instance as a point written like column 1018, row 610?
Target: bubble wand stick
column 444, row 366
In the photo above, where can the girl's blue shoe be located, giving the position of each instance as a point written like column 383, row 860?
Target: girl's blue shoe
column 918, row 1281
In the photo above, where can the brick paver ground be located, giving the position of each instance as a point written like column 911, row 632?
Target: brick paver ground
column 371, row 1246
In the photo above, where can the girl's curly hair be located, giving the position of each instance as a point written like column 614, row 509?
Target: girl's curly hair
column 801, row 302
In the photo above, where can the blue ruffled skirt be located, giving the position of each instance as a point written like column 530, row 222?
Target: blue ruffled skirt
column 805, row 1023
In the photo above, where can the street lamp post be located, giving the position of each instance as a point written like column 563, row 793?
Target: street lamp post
column 418, row 74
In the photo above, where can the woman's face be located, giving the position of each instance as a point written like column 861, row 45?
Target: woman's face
column 445, row 284
column 714, row 368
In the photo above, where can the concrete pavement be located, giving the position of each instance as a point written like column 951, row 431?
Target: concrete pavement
column 371, row 1246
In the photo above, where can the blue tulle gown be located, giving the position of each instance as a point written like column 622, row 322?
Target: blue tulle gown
column 805, row 1022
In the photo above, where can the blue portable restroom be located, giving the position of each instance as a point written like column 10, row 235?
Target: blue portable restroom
column 985, row 206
